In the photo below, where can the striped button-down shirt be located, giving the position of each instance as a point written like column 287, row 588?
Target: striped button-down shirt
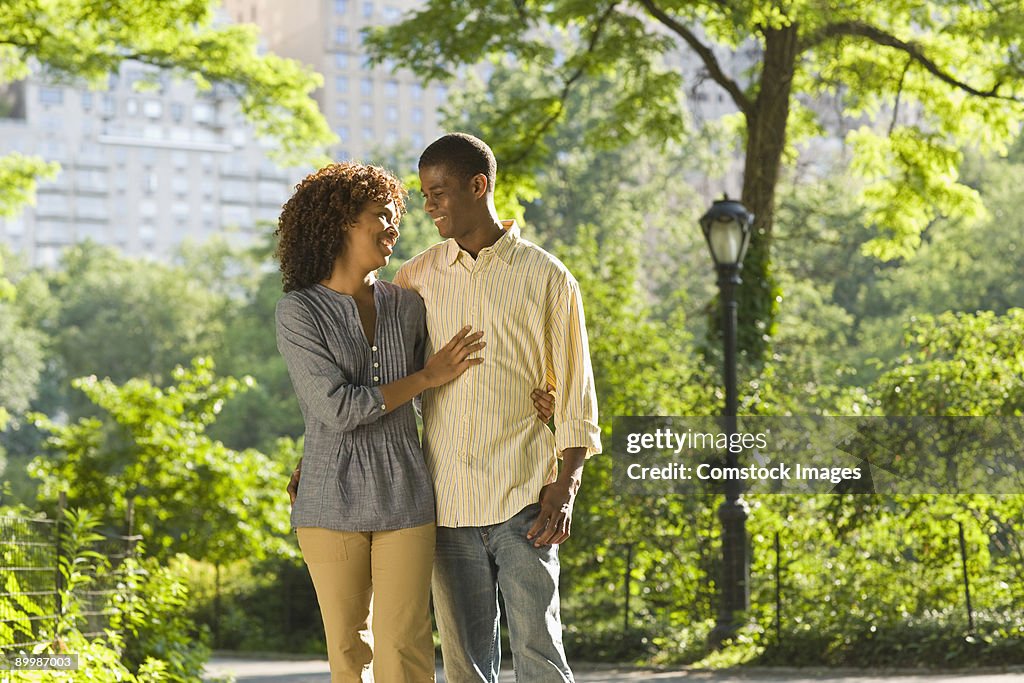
column 487, row 452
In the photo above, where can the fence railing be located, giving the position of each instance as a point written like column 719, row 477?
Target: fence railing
column 32, row 587
column 930, row 564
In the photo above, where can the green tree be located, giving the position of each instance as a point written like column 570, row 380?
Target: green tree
column 121, row 318
column 80, row 40
column 931, row 76
column 844, row 312
column 22, row 359
column 958, row 364
column 251, row 286
column 192, row 494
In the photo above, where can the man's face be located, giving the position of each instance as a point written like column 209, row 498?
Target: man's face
column 449, row 201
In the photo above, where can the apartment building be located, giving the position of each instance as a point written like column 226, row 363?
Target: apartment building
column 374, row 111
column 141, row 171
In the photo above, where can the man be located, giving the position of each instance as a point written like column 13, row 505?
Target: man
column 503, row 505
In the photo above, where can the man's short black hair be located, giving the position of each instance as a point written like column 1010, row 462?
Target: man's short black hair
column 463, row 155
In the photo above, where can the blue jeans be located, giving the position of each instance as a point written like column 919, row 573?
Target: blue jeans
column 470, row 565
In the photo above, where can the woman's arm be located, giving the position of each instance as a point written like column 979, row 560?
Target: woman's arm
column 332, row 397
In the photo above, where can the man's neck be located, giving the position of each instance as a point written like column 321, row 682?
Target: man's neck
column 483, row 237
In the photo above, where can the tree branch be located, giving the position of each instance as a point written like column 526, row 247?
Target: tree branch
column 899, row 94
column 858, row 29
column 705, row 53
column 546, row 124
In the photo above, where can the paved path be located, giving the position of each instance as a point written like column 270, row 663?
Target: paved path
column 316, row 671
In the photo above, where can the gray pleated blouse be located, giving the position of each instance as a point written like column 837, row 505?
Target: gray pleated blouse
column 362, row 470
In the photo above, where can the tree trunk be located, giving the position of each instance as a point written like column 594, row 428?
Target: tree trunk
column 766, row 141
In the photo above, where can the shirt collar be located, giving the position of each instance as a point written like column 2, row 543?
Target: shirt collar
column 503, row 248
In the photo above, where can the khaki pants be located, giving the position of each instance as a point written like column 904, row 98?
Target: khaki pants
column 388, row 571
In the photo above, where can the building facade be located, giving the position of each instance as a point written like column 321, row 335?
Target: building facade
column 374, row 111
column 141, row 171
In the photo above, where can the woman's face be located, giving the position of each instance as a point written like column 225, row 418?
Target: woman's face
column 371, row 239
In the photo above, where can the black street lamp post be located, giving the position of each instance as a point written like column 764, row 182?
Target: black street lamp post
column 726, row 228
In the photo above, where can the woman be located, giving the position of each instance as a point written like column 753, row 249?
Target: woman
column 355, row 347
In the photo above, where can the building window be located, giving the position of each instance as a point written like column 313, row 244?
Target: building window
column 366, row 87
column 92, row 180
column 343, row 133
column 51, row 95
column 202, row 112
column 417, row 115
column 153, row 108
column 341, row 6
column 340, row 60
column 392, row 113
column 87, row 101
column 341, row 35
column 441, row 92
column 341, row 108
column 367, row 110
column 367, row 134
column 417, row 91
column 391, row 88
column 177, row 112
column 131, row 106
column 235, row 191
column 341, row 83
column 392, row 14
column 367, row 10
column 91, row 207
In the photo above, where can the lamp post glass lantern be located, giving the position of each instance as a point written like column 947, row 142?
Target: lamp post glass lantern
column 727, row 226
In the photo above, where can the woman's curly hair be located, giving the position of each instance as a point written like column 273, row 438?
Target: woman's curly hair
column 325, row 205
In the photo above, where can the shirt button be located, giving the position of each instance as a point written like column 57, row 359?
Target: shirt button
column 373, row 348
column 383, row 407
column 376, row 378
column 376, row 365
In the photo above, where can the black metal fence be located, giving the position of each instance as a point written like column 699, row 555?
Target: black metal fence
column 966, row 566
column 32, row 590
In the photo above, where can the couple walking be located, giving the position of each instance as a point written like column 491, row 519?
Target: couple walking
column 474, row 326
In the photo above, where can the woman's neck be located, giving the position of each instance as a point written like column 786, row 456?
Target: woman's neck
column 348, row 281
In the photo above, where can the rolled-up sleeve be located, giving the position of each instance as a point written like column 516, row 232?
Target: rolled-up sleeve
column 576, row 423
column 320, row 384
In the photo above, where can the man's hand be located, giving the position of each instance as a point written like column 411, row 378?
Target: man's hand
column 555, row 519
column 293, row 483
column 544, row 403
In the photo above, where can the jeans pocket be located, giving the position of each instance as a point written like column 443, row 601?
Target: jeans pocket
column 321, row 545
column 525, row 518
